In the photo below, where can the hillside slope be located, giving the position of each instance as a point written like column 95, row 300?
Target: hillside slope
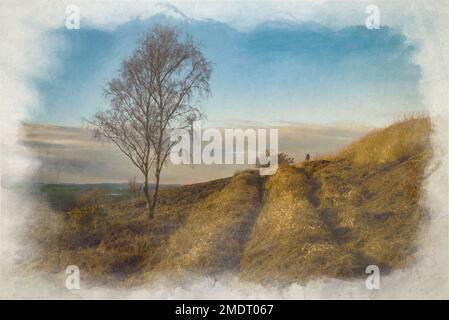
column 334, row 217
column 324, row 218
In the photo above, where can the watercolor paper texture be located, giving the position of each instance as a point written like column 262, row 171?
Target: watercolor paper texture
column 224, row 149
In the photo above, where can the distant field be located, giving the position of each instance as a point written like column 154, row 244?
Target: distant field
column 64, row 196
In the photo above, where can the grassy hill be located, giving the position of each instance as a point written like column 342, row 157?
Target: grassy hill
column 328, row 217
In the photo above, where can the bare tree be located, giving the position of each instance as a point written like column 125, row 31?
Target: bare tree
column 158, row 89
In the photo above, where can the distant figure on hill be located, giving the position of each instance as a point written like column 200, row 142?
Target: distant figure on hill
column 307, row 157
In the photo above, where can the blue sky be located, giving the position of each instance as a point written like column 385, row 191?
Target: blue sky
column 274, row 73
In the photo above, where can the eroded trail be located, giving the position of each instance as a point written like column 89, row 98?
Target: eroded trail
column 289, row 239
column 212, row 238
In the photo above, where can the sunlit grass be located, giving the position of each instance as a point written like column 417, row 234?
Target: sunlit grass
column 329, row 217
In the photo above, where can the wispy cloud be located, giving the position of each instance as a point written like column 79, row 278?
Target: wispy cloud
column 69, row 154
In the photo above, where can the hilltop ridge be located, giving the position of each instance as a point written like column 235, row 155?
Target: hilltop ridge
column 329, row 217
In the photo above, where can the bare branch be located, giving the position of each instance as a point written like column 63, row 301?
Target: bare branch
column 152, row 94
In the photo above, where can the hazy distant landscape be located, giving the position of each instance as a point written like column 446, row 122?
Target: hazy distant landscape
column 65, row 196
column 70, row 155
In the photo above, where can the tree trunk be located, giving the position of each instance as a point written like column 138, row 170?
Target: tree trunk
column 146, row 192
column 156, row 191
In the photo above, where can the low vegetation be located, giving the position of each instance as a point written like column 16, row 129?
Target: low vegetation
column 320, row 218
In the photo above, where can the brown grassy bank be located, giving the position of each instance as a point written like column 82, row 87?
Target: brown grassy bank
column 322, row 218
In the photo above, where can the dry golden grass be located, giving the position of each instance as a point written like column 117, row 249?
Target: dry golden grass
column 324, row 218
column 401, row 140
column 290, row 241
column 212, row 237
column 115, row 240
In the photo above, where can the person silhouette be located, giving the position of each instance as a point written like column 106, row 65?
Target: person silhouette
column 307, row 157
